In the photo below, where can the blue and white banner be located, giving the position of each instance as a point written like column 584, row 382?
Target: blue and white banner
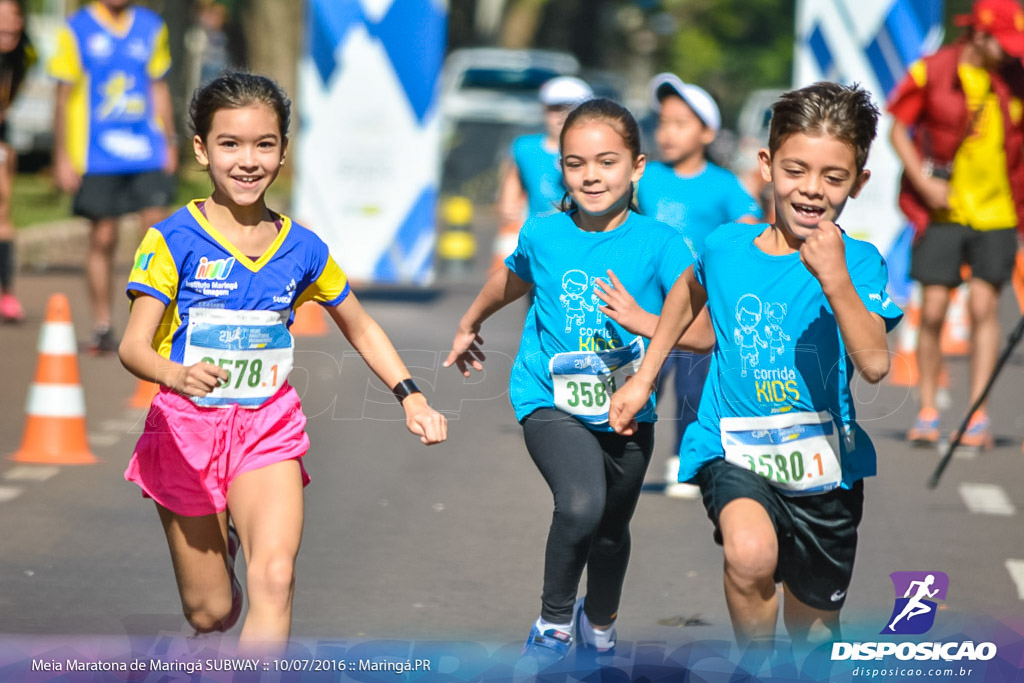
column 369, row 139
column 870, row 42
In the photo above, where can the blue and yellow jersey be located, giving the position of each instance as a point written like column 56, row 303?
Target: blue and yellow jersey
column 110, row 64
column 185, row 262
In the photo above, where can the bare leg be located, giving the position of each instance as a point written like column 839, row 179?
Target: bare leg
column 99, row 268
column 983, row 306
column 150, row 217
column 934, row 302
column 198, row 548
column 751, row 556
column 808, row 626
column 266, row 506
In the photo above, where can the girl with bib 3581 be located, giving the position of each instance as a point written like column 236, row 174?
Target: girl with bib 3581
column 599, row 273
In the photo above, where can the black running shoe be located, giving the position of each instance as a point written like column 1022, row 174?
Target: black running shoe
column 103, row 342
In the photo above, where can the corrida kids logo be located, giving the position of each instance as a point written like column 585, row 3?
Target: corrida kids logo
column 916, row 593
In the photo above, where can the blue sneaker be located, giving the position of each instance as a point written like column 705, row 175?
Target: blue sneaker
column 548, row 647
column 583, row 639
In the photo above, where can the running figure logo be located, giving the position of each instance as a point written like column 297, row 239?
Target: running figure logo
column 914, row 613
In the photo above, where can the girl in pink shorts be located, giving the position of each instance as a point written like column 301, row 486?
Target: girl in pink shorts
column 214, row 289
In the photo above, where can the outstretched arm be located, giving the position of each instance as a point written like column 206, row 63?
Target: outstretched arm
column 369, row 339
column 502, row 288
column 684, row 301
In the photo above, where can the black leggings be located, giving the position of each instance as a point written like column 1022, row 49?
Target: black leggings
column 595, row 478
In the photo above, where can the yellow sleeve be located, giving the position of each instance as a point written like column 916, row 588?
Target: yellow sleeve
column 330, row 288
column 160, row 61
column 919, row 72
column 154, row 273
column 66, row 63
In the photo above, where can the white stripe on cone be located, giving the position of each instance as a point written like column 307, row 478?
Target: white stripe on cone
column 55, row 400
column 57, row 339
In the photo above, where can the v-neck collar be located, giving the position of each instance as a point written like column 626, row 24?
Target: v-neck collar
column 254, row 266
column 119, row 26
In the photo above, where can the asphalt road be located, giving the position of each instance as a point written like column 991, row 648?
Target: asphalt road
column 446, row 543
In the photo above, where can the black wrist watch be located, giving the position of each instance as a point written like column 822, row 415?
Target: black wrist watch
column 404, row 388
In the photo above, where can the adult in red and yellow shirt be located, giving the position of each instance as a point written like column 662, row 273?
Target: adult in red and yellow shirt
column 958, row 130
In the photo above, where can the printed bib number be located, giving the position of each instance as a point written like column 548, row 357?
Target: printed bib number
column 798, row 453
column 254, row 347
column 584, row 381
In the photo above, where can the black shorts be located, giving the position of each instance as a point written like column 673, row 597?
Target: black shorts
column 111, row 196
column 817, row 534
column 936, row 257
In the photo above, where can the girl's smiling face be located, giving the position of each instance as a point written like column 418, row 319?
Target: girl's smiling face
column 813, row 176
column 243, row 152
column 598, row 168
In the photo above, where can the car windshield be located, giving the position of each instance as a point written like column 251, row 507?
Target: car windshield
column 516, row 80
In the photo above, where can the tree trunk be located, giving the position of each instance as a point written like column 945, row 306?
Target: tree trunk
column 521, row 21
column 275, row 28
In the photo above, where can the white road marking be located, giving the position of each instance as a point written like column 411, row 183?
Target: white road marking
column 101, row 439
column 961, row 452
column 1016, row 569
column 9, row 493
column 122, row 425
column 987, row 499
column 30, row 473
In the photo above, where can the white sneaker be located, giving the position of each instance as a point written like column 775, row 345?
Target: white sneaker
column 680, row 490
column 672, row 470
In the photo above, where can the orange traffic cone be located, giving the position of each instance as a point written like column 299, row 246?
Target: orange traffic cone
column 956, row 332
column 309, row 321
column 144, row 393
column 903, row 368
column 505, row 243
column 55, row 431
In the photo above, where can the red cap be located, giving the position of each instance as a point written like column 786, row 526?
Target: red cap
column 1001, row 19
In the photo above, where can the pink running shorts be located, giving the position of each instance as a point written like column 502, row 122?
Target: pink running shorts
column 188, row 456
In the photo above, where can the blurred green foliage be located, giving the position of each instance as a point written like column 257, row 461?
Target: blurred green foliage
column 730, row 47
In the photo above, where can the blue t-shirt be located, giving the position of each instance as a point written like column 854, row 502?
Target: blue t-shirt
column 540, row 173
column 779, row 349
column 562, row 262
column 695, row 204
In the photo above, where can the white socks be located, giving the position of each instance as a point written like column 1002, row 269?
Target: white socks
column 602, row 640
column 545, row 626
